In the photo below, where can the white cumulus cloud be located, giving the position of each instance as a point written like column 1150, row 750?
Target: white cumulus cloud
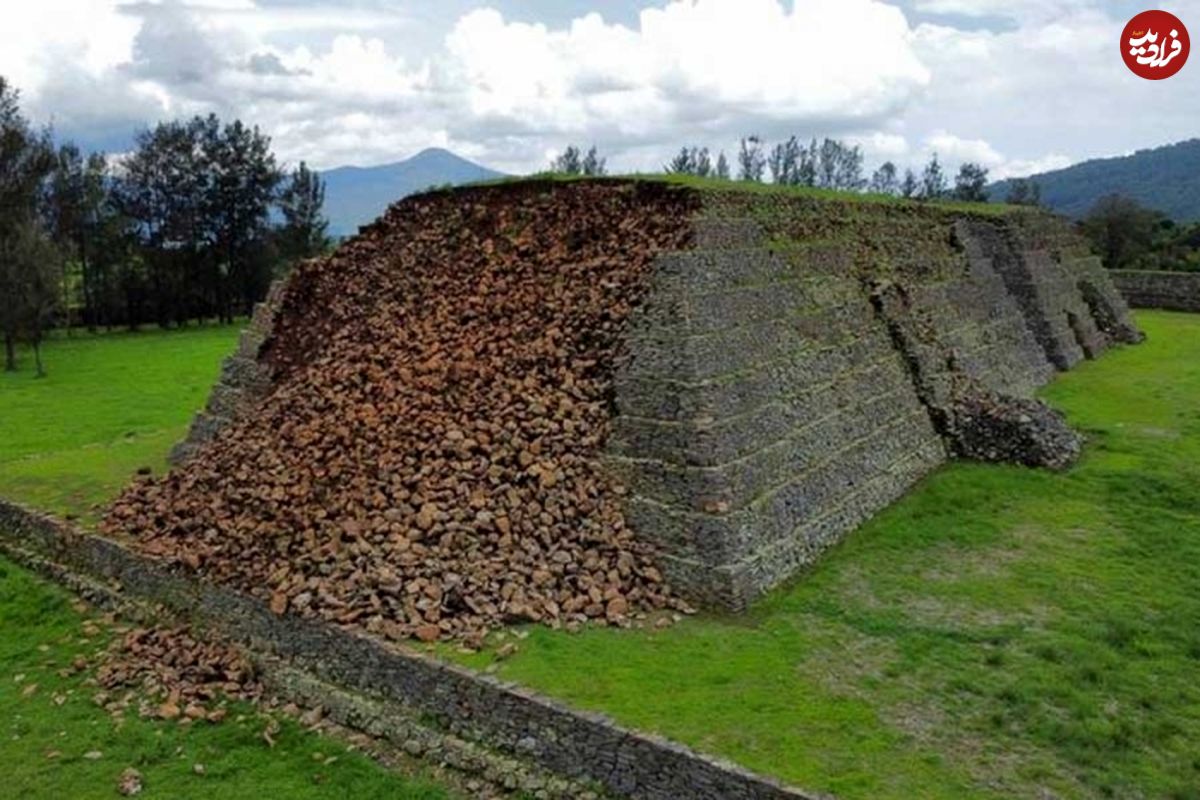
column 371, row 82
column 693, row 61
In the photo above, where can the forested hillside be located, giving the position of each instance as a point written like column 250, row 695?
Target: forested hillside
column 1165, row 179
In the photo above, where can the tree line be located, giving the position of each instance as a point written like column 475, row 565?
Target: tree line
column 1127, row 235
column 192, row 225
column 825, row 164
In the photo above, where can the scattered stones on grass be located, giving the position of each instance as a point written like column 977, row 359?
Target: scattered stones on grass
column 175, row 675
column 425, row 463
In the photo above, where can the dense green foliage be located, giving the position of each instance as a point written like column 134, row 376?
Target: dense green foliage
column 112, row 404
column 1000, row 632
column 29, row 262
column 1174, row 247
column 1166, row 179
column 182, row 230
column 56, row 743
column 1130, row 236
column 196, row 198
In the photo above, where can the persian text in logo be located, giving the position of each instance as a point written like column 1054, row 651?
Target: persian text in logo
column 1155, row 45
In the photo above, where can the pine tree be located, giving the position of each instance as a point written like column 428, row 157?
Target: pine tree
column 750, row 160
column 828, row 157
column 691, row 161
column 848, row 175
column 970, row 182
column 26, row 159
column 807, row 168
column 933, row 180
column 568, row 162
column 883, row 181
column 775, row 164
column 75, row 200
column 593, row 165
column 784, row 162
column 243, row 185
column 38, row 266
column 304, row 233
column 681, row 164
column 722, row 168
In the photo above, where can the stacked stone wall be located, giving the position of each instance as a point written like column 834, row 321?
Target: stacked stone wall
column 762, row 412
column 243, row 381
column 437, row 701
column 808, row 361
column 1048, row 269
column 1173, row 291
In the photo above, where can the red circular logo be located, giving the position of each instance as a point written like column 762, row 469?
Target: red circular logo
column 1155, row 45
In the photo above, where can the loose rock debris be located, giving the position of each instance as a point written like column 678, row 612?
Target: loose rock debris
column 174, row 674
column 425, row 464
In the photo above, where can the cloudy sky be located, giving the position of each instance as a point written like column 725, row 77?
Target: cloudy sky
column 1019, row 85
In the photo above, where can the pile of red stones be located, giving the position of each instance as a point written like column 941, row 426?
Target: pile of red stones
column 426, row 462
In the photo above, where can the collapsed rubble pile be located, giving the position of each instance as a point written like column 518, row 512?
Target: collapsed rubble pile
column 425, row 463
column 986, row 426
column 188, row 677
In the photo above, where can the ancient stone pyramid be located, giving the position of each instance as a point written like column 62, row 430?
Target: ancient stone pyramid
column 536, row 400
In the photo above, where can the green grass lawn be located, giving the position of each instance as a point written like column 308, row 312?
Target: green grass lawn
column 56, row 743
column 110, row 405
column 1000, row 632
column 114, row 403
column 715, row 184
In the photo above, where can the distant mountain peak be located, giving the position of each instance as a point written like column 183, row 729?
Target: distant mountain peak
column 355, row 196
column 430, row 152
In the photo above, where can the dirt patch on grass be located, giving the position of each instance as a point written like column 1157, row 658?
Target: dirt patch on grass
column 947, row 585
column 849, row 661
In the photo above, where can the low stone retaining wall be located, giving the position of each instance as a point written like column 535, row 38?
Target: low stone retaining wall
column 575, row 745
column 1174, row 291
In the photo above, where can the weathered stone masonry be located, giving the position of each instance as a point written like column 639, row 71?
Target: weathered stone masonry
column 808, row 361
column 1174, row 291
column 243, row 381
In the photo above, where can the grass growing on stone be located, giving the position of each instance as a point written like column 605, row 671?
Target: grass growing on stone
column 56, row 743
column 1000, row 632
column 712, row 184
column 111, row 404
